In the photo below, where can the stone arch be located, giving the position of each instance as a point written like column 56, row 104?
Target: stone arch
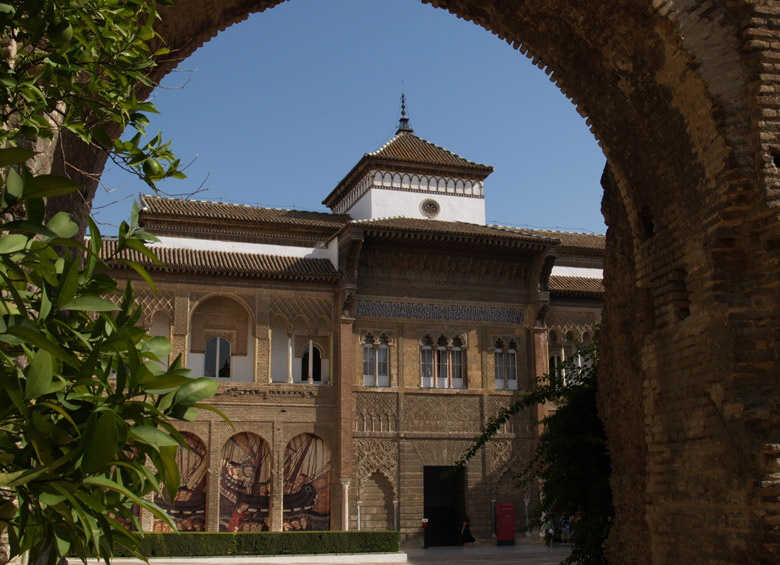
column 245, row 484
column 307, row 472
column 188, row 507
column 674, row 90
column 376, row 501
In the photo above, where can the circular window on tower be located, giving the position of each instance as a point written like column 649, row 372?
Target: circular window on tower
column 430, row 208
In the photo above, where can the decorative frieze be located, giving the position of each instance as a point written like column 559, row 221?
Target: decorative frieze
column 444, row 312
column 439, row 413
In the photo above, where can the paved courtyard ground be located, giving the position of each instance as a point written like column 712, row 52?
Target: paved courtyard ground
column 535, row 554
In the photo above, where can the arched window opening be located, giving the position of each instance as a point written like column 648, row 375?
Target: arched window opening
column 217, row 363
column 442, row 363
column 457, row 364
column 311, row 365
column 426, row 362
column 505, row 365
column 376, row 361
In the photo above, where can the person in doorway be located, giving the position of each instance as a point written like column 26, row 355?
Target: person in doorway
column 548, row 532
column 565, row 528
column 465, row 532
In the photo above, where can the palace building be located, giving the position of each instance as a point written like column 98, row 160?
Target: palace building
column 358, row 352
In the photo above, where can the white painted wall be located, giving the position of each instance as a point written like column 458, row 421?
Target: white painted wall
column 584, row 272
column 243, row 247
column 388, row 203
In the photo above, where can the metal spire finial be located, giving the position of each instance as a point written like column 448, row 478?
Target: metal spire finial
column 403, row 123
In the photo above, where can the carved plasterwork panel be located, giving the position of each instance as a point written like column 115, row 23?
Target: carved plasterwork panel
column 505, row 456
column 566, row 320
column 439, row 452
column 149, row 303
column 376, row 455
column 376, row 412
column 440, row 413
column 291, row 306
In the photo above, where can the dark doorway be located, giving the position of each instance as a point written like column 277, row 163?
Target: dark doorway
column 316, row 366
column 445, row 504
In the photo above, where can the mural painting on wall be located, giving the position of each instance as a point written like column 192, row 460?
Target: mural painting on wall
column 188, row 508
column 244, row 484
column 306, row 484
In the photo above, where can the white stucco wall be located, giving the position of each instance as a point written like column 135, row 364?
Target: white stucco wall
column 387, row 203
column 577, row 272
column 244, row 247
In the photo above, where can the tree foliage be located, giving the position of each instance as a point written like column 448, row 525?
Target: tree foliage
column 87, row 402
column 86, row 399
column 76, row 65
column 571, row 460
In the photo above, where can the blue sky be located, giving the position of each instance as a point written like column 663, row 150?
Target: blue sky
column 276, row 110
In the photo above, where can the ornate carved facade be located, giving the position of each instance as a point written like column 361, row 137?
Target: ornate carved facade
column 357, row 356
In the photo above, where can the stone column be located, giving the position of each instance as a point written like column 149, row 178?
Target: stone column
column 345, row 504
column 289, row 358
column 310, row 380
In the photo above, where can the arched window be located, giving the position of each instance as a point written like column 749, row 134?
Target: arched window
column 555, row 366
column 217, row 363
column 376, row 361
column 426, row 362
column 442, row 363
column 457, row 363
column 314, row 364
column 511, row 366
column 506, row 365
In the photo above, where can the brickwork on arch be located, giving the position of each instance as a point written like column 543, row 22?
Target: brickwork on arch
column 684, row 98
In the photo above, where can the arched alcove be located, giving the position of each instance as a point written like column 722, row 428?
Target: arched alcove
column 306, row 484
column 245, row 484
column 188, row 507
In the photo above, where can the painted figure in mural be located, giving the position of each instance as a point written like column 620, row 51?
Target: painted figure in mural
column 188, row 508
column 244, row 485
column 307, row 484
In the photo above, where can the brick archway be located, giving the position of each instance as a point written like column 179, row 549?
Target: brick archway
column 682, row 96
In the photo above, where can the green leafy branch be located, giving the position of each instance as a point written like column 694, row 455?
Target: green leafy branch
column 87, row 401
column 76, row 65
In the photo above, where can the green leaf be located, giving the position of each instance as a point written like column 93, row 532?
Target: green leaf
column 62, row 225
column 91, row 303
column 14, row 155
column 12, row 243
column 49, row 185
column 195, row 391
column 39, row 375
column 151, row 436
column 103, row 445
column 14, row 185
column 157, row 347
column 19, row 478
column 33, row 336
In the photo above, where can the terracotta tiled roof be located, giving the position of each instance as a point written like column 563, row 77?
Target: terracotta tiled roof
column 570, row 239
column 202, row 210
column 230, row 263
column 453, row 228
column 576, row 286
column 409, row 148
column 410, row 152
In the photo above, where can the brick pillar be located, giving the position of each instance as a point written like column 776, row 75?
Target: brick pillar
column 538, row 364
column 344, row 377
